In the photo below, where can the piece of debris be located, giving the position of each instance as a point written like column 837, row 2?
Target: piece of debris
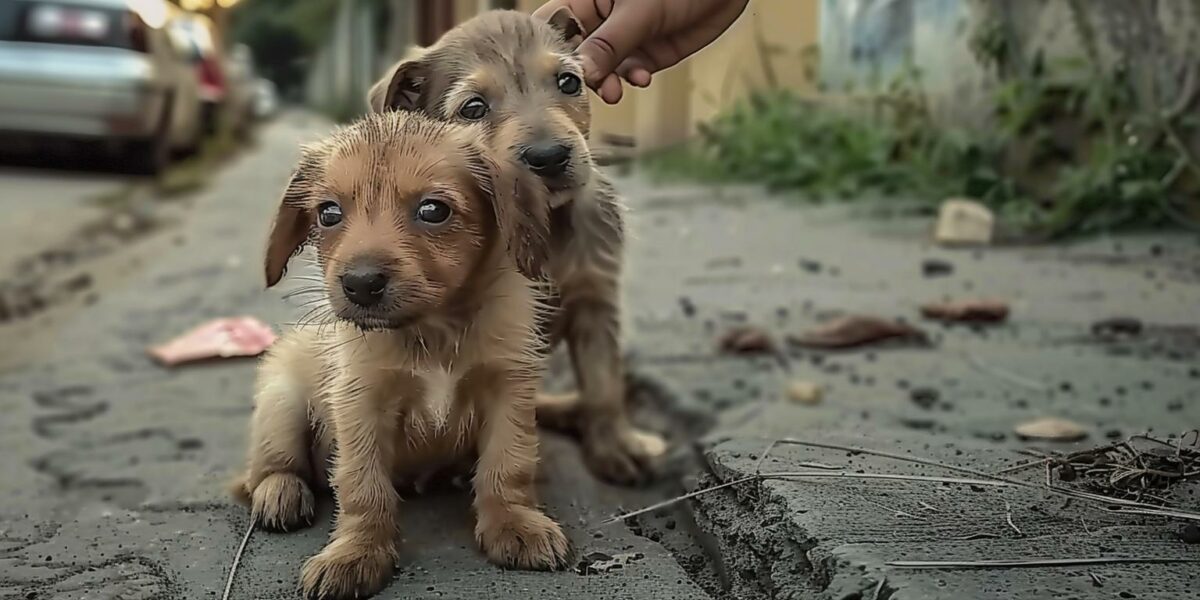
column 1116, row 327
column 598, row 563
column 963, row 222
column 925, row 397
column 220, row 338
column 936, row 267
column 1052, row 429
column 857, row 330
column 1190, row 533
column 746, row 339
column 967, row 311
column 804, row 392
column 1137, row 468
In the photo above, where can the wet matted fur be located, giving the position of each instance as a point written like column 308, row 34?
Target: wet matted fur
column 517, row 65
column 440, row 366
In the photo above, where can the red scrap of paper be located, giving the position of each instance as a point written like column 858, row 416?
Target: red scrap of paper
column 220, row 338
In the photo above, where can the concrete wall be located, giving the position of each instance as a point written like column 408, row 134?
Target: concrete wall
column 865, row 44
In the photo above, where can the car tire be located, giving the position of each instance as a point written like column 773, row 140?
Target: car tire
column 149, row 157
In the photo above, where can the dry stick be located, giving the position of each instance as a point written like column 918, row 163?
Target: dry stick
column 1090, row 497
column 786, row 475
column 1049, row 562
column 878, row 589
column 1008, row 517
column 237, row 558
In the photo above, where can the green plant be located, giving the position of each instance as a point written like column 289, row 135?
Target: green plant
column 1073, row 148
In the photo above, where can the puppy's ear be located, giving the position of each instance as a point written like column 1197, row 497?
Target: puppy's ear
column 401, row 88
column 293, row 224
column 522, row 213
column 564, row 22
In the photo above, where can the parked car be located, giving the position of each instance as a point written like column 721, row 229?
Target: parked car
column 227, row 78
column 97, row 70
column 242, row 89
column 266, row 99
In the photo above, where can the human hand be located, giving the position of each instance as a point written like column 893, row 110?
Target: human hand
column 633, row 39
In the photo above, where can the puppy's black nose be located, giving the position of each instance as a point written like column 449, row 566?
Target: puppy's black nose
column 364, row 285
column 547, row 160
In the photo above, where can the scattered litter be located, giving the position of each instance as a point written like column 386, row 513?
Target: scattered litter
column 967, row 311
column 747, row 340
column 220, row 338
column 963, row 222
column 1052, row 429
column 857, row 330
column 804, row 392
column 1116, row 327
column 936, row 267
column 598, row 563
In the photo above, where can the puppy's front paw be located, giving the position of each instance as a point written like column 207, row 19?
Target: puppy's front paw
column 522, row 538
column 346, row 570
column 283, row 502
column 621, row 454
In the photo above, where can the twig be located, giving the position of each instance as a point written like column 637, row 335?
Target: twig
column 670, row 501
column 1048, row 562
column 1021, row 466
column 879, row 588
column 1106, row 502
column 1008, row 376
column 237, row 558
column 1008, row 517
column 786, row 475
column 1096, row 579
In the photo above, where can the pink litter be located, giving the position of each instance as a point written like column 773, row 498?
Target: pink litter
column 220, row 338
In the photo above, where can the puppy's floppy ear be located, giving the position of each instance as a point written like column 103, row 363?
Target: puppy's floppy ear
column 564, row 22
column 522, row 213
column 401, row 88
column 293, row 223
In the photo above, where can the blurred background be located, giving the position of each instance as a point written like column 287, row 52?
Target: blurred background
column 1028, row 168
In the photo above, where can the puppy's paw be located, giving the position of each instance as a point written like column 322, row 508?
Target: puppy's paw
column 522, row 538
column 283, row 502
column 346, row 570
column 621, row 454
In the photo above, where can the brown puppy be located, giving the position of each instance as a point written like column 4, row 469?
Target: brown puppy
column 521, row 78
column 427, row 350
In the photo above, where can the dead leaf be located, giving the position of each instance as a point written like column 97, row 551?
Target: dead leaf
column 746, row 340
column 857, row 330
column 1051, row 428
column 804, row 392
column 977, row 310
column 220, row 338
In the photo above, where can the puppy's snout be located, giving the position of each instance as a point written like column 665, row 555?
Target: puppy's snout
column 364, row 284
column 547, row 159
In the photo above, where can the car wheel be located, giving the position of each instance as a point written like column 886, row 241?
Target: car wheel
column 149, row 157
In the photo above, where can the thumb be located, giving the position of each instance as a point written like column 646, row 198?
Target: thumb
column 629, row 24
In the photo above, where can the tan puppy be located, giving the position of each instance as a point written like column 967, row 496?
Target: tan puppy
column 520, row 77
column 425, row 351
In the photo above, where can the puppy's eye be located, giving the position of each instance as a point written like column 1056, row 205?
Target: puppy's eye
column 569, row 84
column 329, row 214
column 473, row 109
column 433, row 212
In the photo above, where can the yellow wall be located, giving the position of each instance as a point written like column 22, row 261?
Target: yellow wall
column 768, row 44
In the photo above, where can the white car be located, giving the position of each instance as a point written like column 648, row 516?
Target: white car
column 98, row 70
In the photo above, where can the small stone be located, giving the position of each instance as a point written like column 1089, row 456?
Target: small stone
column 1052, row 429
column 963, row 222
column 804, row 392
column 1067, row 473
column 1190, row 533
column 934, row 267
